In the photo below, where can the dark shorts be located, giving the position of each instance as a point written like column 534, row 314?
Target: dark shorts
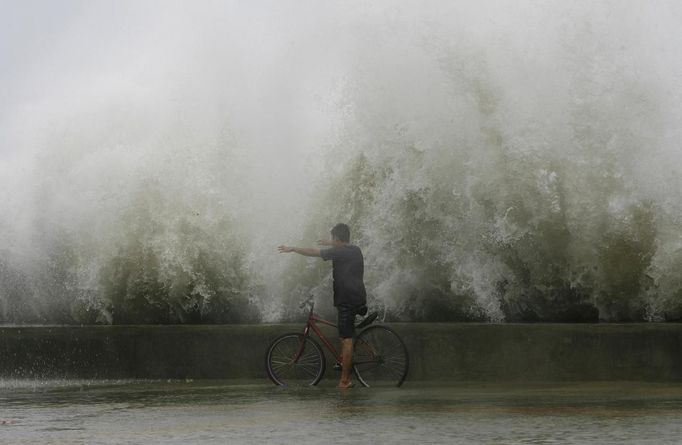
column 346, row 320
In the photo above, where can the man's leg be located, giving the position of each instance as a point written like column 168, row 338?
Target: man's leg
column 346, row 333
column 346, row 362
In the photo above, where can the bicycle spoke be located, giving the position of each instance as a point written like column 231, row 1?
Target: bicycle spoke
column 281, row 365
column 393, row 371
column 310, row 371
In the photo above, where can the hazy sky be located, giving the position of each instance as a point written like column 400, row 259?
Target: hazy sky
column 246, row 104
column 277, row 75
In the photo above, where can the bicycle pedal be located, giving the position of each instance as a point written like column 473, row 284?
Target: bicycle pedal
column 337, row 367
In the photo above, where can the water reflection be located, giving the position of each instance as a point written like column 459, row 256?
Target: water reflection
column 255, row 412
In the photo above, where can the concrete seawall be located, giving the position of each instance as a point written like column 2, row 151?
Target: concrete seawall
column 438, row 351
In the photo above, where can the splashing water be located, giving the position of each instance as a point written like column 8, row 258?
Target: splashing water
column 495, row 161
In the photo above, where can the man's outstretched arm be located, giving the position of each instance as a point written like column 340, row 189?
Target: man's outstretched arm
column 306, row 251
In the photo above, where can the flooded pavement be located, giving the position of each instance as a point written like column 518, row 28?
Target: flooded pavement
column 108, row 412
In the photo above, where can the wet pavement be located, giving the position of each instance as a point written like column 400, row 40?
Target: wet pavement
column 206, row 412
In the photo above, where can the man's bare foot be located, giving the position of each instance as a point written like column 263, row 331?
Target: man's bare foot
column 345, row 385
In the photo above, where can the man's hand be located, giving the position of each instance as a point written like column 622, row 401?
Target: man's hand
column 285, row 249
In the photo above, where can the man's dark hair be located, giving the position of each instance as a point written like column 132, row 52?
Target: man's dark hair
column 341, row 232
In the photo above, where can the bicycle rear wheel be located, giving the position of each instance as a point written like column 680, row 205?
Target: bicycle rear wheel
column 295, row 360
column 380, row 357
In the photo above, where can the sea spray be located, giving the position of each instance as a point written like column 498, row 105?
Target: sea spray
column 513, row 180
column 497, row 161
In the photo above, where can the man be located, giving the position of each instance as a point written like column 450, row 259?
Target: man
column 349, row 288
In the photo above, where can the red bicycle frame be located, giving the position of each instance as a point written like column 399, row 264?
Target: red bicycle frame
column 311, row 324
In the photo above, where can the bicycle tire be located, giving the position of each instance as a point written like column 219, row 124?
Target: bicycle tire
column 380, row 357
column 283, row 368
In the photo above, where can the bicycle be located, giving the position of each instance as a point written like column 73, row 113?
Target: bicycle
column 379, row 355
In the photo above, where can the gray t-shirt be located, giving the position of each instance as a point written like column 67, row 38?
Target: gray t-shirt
column 348, row 271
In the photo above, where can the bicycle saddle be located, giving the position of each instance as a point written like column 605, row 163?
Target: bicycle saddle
column 368, row 320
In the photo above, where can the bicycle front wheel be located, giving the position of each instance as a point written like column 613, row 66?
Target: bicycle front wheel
column 295, row 360
column 380, row 357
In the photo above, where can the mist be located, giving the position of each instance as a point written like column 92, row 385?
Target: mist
column 496, row 161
